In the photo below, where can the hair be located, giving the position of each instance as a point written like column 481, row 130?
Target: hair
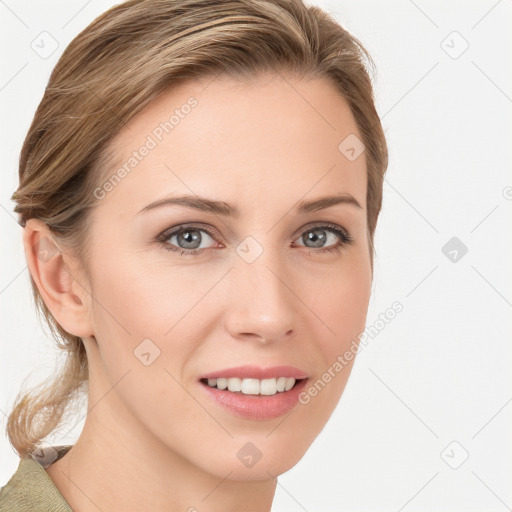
column 108, row 73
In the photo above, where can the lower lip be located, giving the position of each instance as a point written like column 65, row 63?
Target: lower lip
column 256, row 407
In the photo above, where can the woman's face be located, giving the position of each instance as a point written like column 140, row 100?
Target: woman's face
column 254, row 280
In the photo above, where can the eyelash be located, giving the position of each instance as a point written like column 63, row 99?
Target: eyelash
column 345, row 239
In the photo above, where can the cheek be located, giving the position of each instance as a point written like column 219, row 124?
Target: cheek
column 342, row 302
column 137, row 300
column 147, row 320
column 342, row 309
column 134, row 309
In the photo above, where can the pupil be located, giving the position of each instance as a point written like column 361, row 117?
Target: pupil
column 191, row 239
column 318, row 240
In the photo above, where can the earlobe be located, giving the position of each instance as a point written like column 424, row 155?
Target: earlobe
column 62, row 291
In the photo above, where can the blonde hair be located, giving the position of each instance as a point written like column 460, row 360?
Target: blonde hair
column 108, row 73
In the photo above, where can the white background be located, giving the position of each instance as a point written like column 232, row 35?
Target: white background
column 440, row 371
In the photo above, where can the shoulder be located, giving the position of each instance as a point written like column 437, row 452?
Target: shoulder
column 30, row 489
column 12, row 494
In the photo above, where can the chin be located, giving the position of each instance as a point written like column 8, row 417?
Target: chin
column 255, row 457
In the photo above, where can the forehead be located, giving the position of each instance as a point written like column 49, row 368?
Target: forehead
column 273, row 139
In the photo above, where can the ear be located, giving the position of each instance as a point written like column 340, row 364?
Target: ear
column 56, row 274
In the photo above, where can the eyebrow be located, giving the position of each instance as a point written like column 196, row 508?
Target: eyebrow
column 225, row 209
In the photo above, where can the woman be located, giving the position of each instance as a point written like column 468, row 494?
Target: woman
column 199, row 192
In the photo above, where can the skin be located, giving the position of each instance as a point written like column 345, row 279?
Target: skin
column 152, row 440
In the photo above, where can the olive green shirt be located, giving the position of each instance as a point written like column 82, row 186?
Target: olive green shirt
column 30, row 488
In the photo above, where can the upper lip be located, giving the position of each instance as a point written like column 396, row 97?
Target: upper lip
column 256, row 372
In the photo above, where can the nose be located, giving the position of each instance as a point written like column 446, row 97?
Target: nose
column 262, row 304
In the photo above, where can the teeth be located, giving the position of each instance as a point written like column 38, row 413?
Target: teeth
column 253, row 386
column 289, row 384
column 281, row 383
column 234, row 384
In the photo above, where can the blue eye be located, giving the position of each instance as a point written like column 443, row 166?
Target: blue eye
column 320, row 234
column 190, row 239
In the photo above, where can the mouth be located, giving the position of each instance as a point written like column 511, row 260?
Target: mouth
column 254, row 387
column 254, row 392
column 254, row 399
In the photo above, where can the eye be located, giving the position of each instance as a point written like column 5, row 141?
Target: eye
column 318, row 236
column 187, row 240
